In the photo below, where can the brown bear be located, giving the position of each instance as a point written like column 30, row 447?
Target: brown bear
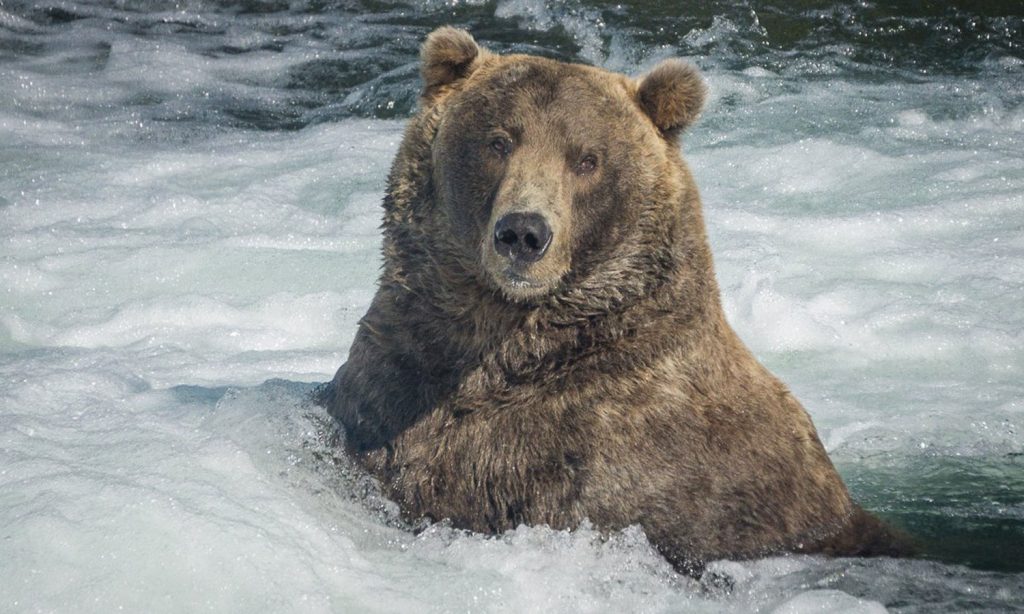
column 547, row 343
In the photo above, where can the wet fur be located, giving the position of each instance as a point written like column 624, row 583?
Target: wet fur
column 621, row 395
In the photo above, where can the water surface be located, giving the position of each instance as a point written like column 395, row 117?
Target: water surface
column 189, row 212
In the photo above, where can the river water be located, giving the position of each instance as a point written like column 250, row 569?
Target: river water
column 189, row 211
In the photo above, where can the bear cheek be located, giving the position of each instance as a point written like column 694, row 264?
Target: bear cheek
column 465, row 189
column 601, row 216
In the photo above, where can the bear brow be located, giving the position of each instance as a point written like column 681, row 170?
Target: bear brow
column 546, row 94
column 513, row 129
column 539, row 83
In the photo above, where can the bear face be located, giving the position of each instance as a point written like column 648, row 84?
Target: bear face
column 543, row 169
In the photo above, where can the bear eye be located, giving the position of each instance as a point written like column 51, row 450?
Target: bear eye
column 501, row 146
column 586, row 165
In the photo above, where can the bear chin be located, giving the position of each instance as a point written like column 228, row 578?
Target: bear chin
column 518, row 287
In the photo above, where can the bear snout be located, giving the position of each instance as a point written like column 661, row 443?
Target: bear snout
column 522, row 237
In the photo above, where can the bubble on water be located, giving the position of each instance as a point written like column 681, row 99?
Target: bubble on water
column 828, row 601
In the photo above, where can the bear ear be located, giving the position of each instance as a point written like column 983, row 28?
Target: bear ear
column 447, row 54
column 672, row 95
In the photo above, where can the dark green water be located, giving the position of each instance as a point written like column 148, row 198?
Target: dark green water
column 968, row 511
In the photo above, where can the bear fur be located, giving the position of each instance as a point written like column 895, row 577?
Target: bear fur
column 598, row 380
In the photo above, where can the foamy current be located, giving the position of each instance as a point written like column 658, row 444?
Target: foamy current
column 189, row 210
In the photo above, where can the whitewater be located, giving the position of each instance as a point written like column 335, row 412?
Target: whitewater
column 189, row 232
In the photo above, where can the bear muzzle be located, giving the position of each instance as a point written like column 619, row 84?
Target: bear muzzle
column 524, row 255
column 522, row 237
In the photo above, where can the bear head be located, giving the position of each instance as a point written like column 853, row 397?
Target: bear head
column 544, row 174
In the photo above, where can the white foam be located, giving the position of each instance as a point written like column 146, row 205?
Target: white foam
column 824, row 600
column 585, row 25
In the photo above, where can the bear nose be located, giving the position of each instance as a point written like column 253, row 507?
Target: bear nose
column 522, row 237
